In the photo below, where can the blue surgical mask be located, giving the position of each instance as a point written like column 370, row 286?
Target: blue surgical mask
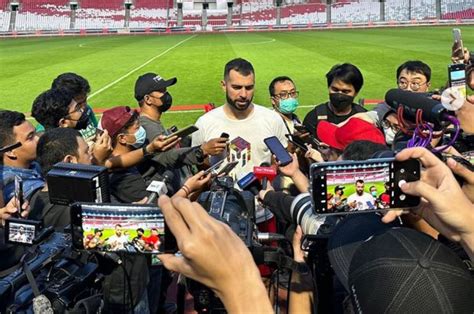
column 374, row 193
column 288, row 105
column 140, row 137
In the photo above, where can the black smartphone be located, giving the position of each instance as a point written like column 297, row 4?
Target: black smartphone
column 297, row 142
column 346, row 187
column 10, row 147
column 214, row 167
column 19, row 196
column 98, row 132
column 173, row 129
column 184, row 132
column 228, row 168
column 277, row 149
column 224, row 135
column 129, row 228
column 457, row 77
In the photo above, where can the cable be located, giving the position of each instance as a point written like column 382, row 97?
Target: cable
column 129, row 286
column 457, row 126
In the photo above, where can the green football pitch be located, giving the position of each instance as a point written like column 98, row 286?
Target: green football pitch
column 112, row 63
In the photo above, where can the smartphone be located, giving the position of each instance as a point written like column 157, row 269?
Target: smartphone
column 128, row 228
column 173, row 129
column 347, row 187
column 19, row 195
column 214, row 167
column 297, row 142
column 458, row 49
column 225, row 135
column 98, row 132
column 228, row 168
column 184, row 132
column 457, row 78
column 10, row 147
column 277, row 149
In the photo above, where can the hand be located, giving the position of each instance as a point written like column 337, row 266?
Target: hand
column 197, row 181
column 313, row 154
column 215, row 146
column 11, row 208
column 213, row 255
column 298, row 254
column 292, row 168
column 161, row 143
column 262, row 193
column 444, row 205
column 468, row 175
column 102, row 148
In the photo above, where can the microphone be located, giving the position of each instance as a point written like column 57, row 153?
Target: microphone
column 269, row 237
column 250, row 183
column 158, row 188
column 433, row 111
column 265, row 173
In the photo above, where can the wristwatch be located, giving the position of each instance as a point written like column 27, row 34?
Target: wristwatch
column 146, row 154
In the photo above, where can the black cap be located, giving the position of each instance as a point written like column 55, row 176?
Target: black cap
column 406, row 271
column 339, row 188
column 151, row 82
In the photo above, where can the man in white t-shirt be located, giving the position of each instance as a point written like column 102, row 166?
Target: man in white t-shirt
column 118, row 240
column 361, row 200
column 246, row 123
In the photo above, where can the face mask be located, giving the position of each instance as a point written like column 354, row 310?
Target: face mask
column 140, row 137
column 166, row 101
column 289, row 105
column 83, row 121
column 389, row 135
column 340, row 101
column 374, row 194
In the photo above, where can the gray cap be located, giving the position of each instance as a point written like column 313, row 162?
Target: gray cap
column 383, row 110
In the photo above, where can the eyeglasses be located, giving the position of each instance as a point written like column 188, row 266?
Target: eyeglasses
column 286, row 95
column 78, row 108
column 395, row 128
column 414, row 86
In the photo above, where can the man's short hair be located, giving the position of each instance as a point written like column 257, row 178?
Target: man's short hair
column 347, row 73
column 51, row 106
column 140, row 230
column 240, row 65
column 75, row 84
column 372, row 186
column 360, row 181
column 278, row 79
column 8, row 120
column 415, row 66
column 54, row 145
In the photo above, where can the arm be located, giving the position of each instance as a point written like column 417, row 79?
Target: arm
column 193, row 184
column 130, row 159
column 215, row 256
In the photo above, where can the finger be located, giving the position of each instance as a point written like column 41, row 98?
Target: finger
column 188, row 212
column 391, row 215
column 461, row 170
column 173, row 219
column 426, row 157
column 176, row 264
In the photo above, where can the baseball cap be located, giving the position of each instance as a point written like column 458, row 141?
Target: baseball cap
column 383, row 110
column 405, row 271
column 354, row 130
column 346, row 238
column 339, row 188
column 151, row 82
column 116, row 118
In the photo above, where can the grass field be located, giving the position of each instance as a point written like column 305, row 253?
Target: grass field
column 112, row 63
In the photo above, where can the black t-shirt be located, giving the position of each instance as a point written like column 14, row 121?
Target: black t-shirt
column 323, row 112
column 128, row 185
column 57, row 216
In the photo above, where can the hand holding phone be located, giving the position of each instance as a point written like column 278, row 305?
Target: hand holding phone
column 19, row 196
column 458, row 48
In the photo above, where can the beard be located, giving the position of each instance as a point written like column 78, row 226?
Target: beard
column 238, row 107
column 360, row 193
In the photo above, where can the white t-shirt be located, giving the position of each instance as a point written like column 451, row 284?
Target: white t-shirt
column 245, row 136
column 363, row 202
column 117, row 242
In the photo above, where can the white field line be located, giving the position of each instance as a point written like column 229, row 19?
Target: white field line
column 139, row 67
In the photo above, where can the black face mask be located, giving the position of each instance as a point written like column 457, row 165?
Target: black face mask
column 340, row 101
column 166, row 101
column 83, row 121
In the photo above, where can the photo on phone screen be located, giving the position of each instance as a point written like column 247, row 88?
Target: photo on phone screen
column 277, row 149
column 21, row 231
column 350, row 187
column 457, row 78
column 19, row 195
column 120, row 228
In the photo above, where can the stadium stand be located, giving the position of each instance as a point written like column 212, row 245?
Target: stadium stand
column 100, row 14
column 151, row 13
column 303, row 13
column 362, row 11
column 457, row 9
column 36, row 14
column 4, row 15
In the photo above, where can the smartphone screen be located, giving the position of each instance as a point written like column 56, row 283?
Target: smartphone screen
column 120, row 228
column 373, row 185
column 277, row 149
column 457, row 78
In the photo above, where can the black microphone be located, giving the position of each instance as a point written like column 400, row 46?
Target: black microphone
column 433, row 110
column 158, row 188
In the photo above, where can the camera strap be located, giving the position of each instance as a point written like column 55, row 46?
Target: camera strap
column 41, row 303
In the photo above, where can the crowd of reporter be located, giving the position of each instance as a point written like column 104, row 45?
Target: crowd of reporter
column 422, row 270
